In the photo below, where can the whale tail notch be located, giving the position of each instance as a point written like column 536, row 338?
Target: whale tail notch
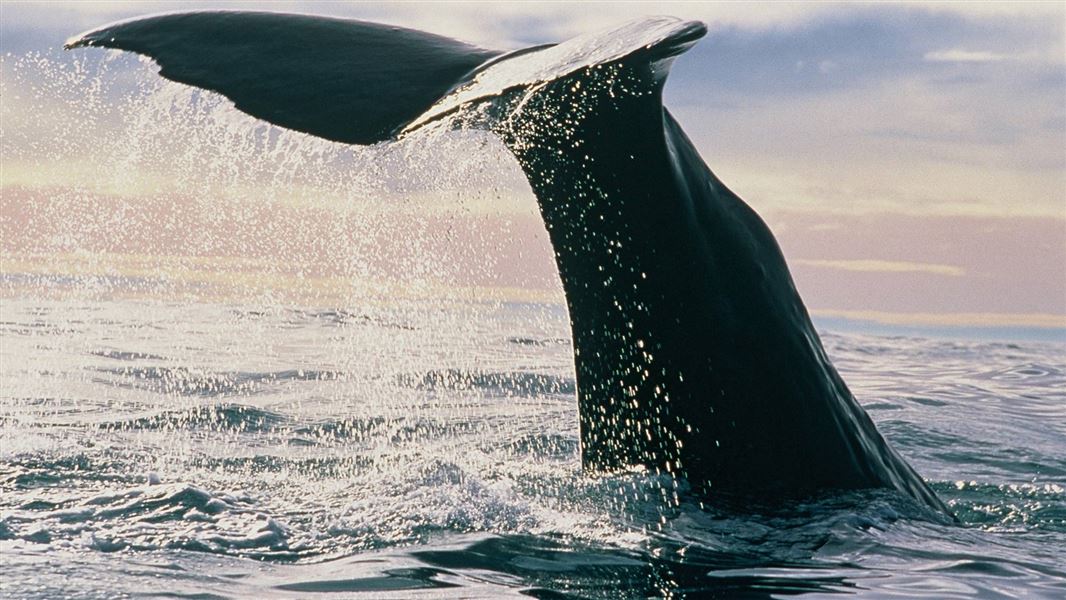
column 340, row 79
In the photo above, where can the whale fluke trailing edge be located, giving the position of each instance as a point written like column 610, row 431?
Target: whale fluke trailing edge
column 693, row 351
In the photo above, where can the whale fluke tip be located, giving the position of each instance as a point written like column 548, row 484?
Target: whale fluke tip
column 83, row 41
column 77, row 41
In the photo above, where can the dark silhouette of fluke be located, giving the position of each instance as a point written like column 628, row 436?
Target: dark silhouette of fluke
column 694, row 353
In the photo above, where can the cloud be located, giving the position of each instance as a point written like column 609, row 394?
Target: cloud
column 887, row 130
column 827, row 66
column 960, row 55
column 883, row 266
column 969, row 319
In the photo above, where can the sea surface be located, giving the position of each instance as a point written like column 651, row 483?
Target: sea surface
column 429, row 449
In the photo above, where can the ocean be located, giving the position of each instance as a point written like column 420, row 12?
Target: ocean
column 429, row 449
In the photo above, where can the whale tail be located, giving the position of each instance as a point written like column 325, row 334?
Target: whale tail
column 694, row 354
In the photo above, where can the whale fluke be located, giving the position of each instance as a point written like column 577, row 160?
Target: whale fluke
column 339, row 79
column 693, row 351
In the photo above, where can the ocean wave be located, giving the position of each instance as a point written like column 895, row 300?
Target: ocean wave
column 126, row 355
column 155, row 517
column 527, row 341
column 510, row 383
column 353, row 428
column 184, row 381
column 1010, row 507
column 436, row 496
column 32, row 471
column 1029, row 372
column 544, row 446
column 330, row 316
column 216, row 417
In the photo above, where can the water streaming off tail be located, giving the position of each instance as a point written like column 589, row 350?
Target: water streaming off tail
column 223, row 341
column 112, row 172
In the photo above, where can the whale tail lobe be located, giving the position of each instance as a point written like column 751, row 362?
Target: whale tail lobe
column 339, row 79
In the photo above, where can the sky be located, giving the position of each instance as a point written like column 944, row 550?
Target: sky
column 909, row 157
